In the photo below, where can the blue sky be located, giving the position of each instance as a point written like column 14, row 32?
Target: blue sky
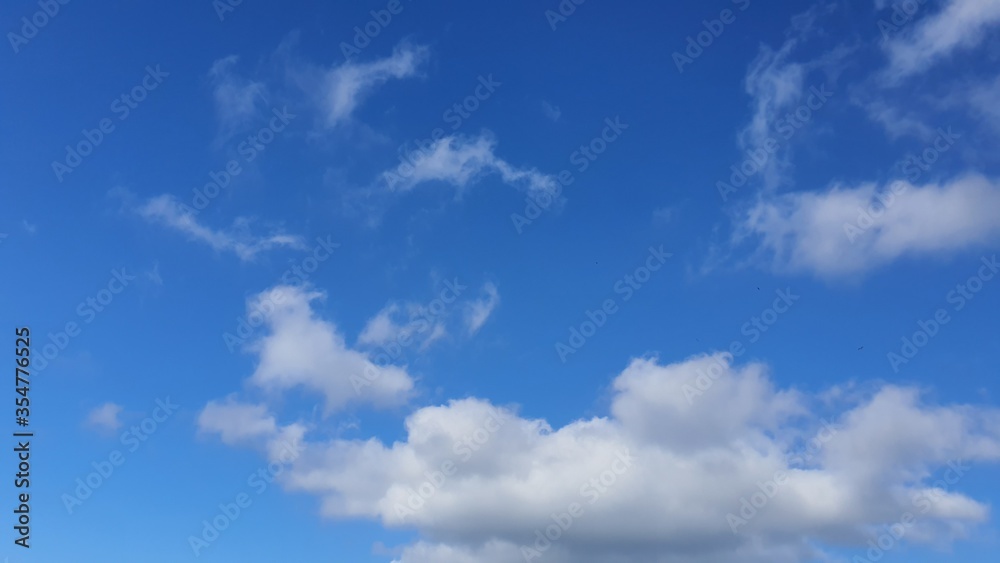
column 401, row 282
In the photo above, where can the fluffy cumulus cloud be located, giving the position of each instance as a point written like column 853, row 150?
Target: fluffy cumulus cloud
column 167, row 211
column 846, row 230
column 301, row 350
column 235, row 422
column 925, row 41
column 460, row 161
column 849, row 230
column 238, row 423
column 699, row 461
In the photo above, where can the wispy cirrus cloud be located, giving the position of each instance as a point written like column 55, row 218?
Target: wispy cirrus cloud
column 958, row 25
column 337, row 91
column 403, row 322
column 237, row 99
column 461, row 161
column 166, row 210
column 479, row 311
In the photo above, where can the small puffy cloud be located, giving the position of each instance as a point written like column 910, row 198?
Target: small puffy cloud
column 237, row 423
column 460, row 161
column 242, row 424
column 105, row 417
column 959, row 25
column 167, row 211
column 664, row 215
column 477, row 312
column 844, row 231
column 302, row 350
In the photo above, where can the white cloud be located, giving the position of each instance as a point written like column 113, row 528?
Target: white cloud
column 460, row 161
column 896, row 122
column 701, row 435
column 984, row 99
column 958, row 25
column 166, row 210
column 477, row 312
column 236, row 98
column 105, row 417
column 237, row 423
column 408, row 323
column 826, row 233
column 777, row 87
column 552, row 112
column 664, row 215
column 339, row 90
column 401, row 325
column 773, row 83
column 302, row 350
